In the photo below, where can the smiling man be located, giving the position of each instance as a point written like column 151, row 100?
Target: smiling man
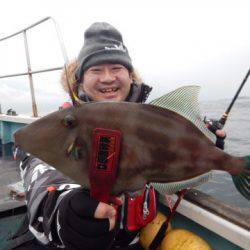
column 61, row 214
column 104, row 69
column 107, row 82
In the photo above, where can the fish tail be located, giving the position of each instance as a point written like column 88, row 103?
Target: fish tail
column 242, row 181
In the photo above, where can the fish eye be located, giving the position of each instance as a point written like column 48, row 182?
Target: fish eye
column 69, row 121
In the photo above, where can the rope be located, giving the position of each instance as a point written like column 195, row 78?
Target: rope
column 161, row 233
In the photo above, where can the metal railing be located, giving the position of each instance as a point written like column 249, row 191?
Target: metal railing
column 30, row 72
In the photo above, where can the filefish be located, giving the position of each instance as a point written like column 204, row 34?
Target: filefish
column 164, row 142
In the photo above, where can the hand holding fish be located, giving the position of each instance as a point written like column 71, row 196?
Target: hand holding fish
column 105, row 211
column 81, row 215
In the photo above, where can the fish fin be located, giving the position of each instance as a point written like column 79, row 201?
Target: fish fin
column 242, row 181
column 74, row 150
column 173, row 187
column 184, row 101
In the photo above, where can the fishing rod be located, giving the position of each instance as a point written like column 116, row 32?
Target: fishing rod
column 223, row 118
column 212, row 124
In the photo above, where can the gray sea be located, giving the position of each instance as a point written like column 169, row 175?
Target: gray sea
column 237, row 143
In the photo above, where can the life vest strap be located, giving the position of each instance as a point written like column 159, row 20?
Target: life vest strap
column 162, row 231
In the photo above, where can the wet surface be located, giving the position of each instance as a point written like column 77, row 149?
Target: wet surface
column 9, row 174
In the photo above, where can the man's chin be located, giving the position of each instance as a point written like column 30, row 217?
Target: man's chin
column 112, row 98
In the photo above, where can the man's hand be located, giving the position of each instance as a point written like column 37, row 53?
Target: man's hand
column 86, row 222
column 215, row 127
column 105, row 211
column 220, row 133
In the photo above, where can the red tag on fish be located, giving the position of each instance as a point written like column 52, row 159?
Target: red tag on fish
column 103, row 162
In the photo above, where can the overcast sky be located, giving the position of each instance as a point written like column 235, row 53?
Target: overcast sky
column 172, row 43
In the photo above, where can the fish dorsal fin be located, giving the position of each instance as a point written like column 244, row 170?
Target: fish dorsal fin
column 184, row 101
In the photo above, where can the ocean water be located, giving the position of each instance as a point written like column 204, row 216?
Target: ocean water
column 237, row 143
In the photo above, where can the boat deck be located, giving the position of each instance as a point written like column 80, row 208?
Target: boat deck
column 9, row 174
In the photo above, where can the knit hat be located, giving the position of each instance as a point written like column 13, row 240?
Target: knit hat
column 102, row 44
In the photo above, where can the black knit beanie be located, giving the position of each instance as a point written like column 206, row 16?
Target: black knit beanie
column 102, row 44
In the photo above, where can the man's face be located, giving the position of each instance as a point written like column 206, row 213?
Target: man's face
column 107, row 82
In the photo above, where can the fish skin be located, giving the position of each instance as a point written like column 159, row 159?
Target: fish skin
column 158, row 145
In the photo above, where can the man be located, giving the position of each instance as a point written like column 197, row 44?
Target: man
column 61, row 213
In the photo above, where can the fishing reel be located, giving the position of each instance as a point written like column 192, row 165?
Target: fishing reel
column 212, row 124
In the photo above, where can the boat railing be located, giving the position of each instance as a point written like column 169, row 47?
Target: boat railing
column 29, row 71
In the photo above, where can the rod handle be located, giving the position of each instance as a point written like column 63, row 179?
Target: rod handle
column 223, row 119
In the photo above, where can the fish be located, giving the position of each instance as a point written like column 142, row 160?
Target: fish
column 163, row 142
